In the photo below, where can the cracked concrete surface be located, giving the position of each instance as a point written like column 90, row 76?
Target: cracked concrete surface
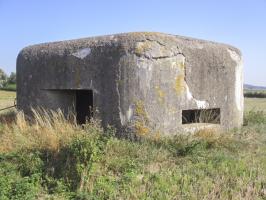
column 141, row 81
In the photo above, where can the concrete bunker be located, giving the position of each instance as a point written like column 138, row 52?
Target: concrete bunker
column 139, row 82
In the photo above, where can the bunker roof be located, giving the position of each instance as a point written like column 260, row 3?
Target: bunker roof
column 124, row 40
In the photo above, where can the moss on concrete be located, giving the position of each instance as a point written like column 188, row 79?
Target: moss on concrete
column 142, row 47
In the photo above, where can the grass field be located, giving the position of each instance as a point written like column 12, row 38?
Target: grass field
column 55, row 159
column 6, row 99
column 256, row 104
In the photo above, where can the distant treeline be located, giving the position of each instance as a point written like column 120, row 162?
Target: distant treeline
column 7, row 82
column 255, row 94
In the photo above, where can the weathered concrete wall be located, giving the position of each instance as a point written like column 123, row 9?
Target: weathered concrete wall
column 141, row 81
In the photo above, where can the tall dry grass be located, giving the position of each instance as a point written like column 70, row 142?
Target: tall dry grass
column 46, row 130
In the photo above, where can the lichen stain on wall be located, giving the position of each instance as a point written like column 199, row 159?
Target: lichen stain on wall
column 140, row 110
column 142, row 122
column 181, row 65
column 179, row 84
column 141, row 128
column 161, row 94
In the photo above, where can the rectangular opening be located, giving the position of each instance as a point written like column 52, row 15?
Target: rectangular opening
column 84, row 105
column 212, row 116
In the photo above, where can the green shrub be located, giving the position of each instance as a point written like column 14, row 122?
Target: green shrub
column 29, row 162
column 25, row 188
column 255, row 117
column 13, row 185
column 74, row 162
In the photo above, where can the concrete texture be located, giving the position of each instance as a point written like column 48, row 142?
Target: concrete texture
column 141, row 82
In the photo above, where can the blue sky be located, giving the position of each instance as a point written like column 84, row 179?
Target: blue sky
column 241, row 23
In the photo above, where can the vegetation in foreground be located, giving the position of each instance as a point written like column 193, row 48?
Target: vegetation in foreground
column 54, row 159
